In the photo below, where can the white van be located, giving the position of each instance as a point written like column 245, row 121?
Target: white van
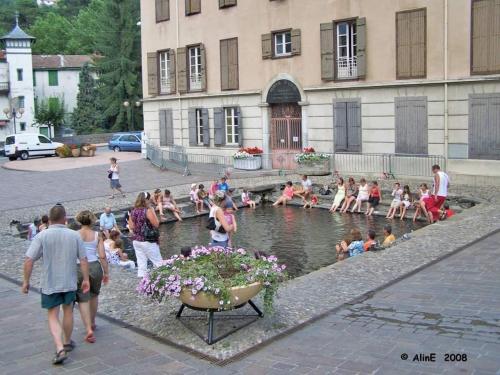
column 29, row 144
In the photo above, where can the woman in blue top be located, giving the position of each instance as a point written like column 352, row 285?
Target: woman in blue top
column 350, row 248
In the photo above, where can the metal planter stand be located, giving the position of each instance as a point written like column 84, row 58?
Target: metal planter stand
column 210, row 339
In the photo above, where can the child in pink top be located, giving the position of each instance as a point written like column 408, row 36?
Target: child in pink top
column 231, row 220
column 287, row 195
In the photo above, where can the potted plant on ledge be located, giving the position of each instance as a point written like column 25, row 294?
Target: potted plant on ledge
column 215, row 278
column 312, row 162
column 248, row 158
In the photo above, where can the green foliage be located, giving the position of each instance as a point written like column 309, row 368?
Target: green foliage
column 118, row 41
column 53, row 33
column 50, row 112
column 70, row 8
column 84, row 34
column 87, row 117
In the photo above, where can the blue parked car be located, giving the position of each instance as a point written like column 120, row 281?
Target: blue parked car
column 130, row 141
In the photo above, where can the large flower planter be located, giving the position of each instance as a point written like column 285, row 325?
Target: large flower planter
column 202, row 300
column 75, row 152
column 318, row 168
column 249, row 164
column 87, row 153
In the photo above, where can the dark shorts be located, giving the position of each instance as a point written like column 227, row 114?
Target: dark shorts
column 56, row 299
column 115, row 184
column 374, row 201
column 95, row 278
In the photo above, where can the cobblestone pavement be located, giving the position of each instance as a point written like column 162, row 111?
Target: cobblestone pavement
column 28, row 189
column 450, row 307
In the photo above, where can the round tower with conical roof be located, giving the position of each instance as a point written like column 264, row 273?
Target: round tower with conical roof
column 17, row 45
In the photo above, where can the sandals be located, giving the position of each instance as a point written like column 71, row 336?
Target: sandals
column 90, row 338
column 69, row 347
column 60, row 357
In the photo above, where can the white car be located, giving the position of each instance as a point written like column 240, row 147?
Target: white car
column 25, row 145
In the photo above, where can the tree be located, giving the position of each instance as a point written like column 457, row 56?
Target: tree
column 50, row 112
column 120, row 65
column 87, row 116
column 70, row 8
column 86, row 28
column 52, row 33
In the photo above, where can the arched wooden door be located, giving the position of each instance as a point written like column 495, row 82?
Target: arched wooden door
column 286, row 134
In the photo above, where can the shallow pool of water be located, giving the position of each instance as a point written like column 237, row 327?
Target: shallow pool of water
column 302, row 239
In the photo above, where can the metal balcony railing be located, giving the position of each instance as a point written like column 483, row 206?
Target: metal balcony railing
column 165, row 86
column 347, row 67
column 195, row 81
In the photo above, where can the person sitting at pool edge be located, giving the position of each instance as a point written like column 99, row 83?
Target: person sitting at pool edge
column 306, row 190
column 287, row 195
column 355, row 247
column 389, row 237
column 370, row 240
column 107, row 222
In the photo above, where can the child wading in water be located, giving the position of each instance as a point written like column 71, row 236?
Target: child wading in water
column 246, row 200
column 231, row 220
column 313, row 202
column 375, row 198
column 406, row 203
column 193, row 194
column 397, row 192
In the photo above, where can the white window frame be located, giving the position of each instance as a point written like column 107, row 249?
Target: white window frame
column 347, row 64
column 164, row 62
column 280, row 41
column 199, row 127
column 232, row 124
column 194, row 60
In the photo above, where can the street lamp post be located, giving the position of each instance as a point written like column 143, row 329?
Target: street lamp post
column 13, row 113
column 131, row 109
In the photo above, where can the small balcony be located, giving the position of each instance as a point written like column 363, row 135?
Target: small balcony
column 347, row 68
column 4, row 87
column 195, row 80
column 165, row 87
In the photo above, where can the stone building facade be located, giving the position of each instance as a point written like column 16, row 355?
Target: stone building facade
column 418, row 77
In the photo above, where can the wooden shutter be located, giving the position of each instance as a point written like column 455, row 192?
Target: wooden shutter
column 171, row 71
column 485, row 36
column 152, row 58
column 226, row 3
column 353, row 109
column 170, row 128
column 484, row 125
column 267, row 46
column 327, row 52
column 411, row 44
column 219, row 127
column 206, row 127
column 340, row 126
column 163, row 127
column 361, row 46
column 411, row 125
column 229, row 64
column 192, row 126
column 162, row 8
column 203, row 67
column 182, row 70
column 240, row 126
column 193, row 6
column 494, row 45
column 296, row 46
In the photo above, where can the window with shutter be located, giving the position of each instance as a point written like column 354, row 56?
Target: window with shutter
column 226, row 3
column 229, row 64
column 411, row 44
column 282, row 43
column 164, row 70
column 192, row 7
column 152, row 60
column 232, row 125
column 166, row 127
column 347, row 125
column 219, row 127
column 296, row 42
column 171, row 70
column 411, row 125
column 484, row 125
column 195, row 68
column 267, row 46
column 162, row 9
column 485, row 37
column 327, row 52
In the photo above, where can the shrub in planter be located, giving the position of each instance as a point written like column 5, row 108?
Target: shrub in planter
column 214, row 272
column 75, row 150
column 309, row 155
column 64, row 151
column 248, row 158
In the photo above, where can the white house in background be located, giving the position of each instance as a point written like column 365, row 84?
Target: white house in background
column 56, row 77
column 16, row 84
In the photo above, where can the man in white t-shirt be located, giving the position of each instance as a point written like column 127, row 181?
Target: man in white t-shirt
column 439, row 192
column 307, row 188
